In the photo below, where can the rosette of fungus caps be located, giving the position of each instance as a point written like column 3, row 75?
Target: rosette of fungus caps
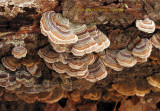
column 90, row 39
column 146, row 25
column 64, row 36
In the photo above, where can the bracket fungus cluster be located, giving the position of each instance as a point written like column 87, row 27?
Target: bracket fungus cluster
column 81, row 38
column 54, row 57
column 137, row 51
column 72, row 47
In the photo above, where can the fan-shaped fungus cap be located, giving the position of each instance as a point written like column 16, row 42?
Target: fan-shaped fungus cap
column 64, row 68
column 49, row 55
column 110, row 60
column 13, row 84
column 97, row 71
column 59, row 47
column 125, row 58
column 32, row 69
column 19, row 51
column 25, row 78
column 146, row 25
column 155, row 39
column 86, row 44
column 3, row 76
column 10, row 63
column 143, row 49
column 31, row 64
column 82, row 72
column 90, row 39
column 77, row 63
column 57, row 28
column 100, row 38
column 59, row 67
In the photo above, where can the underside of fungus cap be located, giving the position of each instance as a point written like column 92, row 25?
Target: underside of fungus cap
column 93, row 94
column 56, row 95
column 57, row 28
column 142, row 87
column 146, row 25
column 110, row 60
column 154, row 80
column 143, row 49
column 125, row 58
column 155, row 40
column 141, row 60
column 43, row 96
column 125, row 87
column 132, row 87
column 75, row 95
